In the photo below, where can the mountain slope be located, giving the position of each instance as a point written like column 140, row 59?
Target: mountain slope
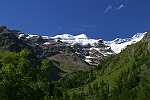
column 68, row 53
column 122, row 77
column 8, row 41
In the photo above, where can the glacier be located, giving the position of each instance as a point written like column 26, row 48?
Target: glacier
column 116, row 45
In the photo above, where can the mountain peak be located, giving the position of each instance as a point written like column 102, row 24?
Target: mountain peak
column 63, row 37
column 138, row 35
column 81, row 39
column 70, row 37
column 81, row 36
column 119, row 44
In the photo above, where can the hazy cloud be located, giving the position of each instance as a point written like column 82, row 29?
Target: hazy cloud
column 58, row 28
column 108, row 8
column 89, row 26
column 120, row 7
column 80, row 29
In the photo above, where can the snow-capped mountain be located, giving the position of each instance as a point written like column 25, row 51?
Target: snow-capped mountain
column 119, row 44
column 93, row 51
column 115, row 45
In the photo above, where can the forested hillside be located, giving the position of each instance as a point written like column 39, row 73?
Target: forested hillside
column 125, row 76
column 122, row 77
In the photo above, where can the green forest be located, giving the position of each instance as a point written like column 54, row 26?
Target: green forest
column 125, row 76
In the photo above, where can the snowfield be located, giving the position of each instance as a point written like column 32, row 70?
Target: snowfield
column 81, row 39
column 116, row 45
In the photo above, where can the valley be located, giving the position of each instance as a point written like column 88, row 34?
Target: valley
column 67, row 67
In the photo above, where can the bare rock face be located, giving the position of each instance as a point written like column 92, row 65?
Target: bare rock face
column 98, row 53
column 84, row 51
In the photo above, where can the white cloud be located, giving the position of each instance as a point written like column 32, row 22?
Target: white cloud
column 108, row 8
column 89, row 26
column 120, row 7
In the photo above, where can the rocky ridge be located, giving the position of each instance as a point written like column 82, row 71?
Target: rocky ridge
column 89, row 50
column 80, row 47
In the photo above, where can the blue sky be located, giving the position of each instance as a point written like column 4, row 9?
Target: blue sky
column 106, row 19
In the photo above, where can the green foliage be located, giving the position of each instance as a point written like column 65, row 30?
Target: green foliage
column 20, row 79
column 144, row 88
column 46, row 68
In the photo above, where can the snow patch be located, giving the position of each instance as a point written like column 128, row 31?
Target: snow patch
column 88, row 57
column 21, row 35
column 88, row 61
column 30, row 36
column 45, row 37
column 46, row 43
